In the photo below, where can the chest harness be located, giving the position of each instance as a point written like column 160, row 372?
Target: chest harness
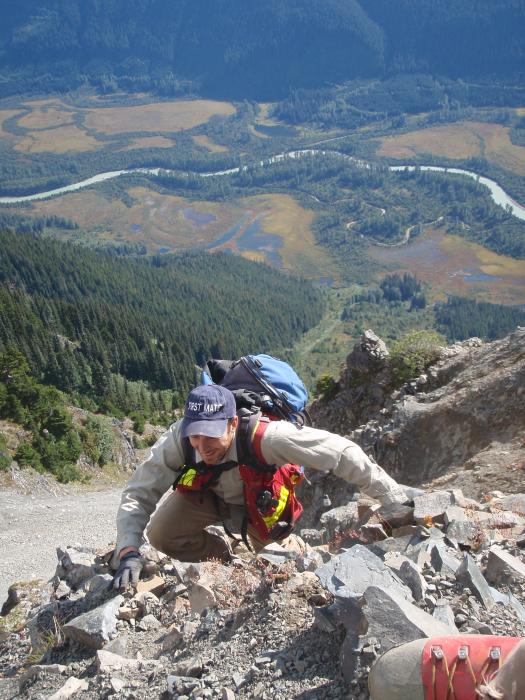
column 271, row 506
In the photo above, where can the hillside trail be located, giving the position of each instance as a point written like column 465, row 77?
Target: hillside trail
column 34, row 522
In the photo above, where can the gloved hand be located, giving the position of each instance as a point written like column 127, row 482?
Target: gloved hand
column 128, row 571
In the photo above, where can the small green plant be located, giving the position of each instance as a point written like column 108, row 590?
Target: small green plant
column 413, row 353
column 27, row 456
column 326, row 387
column 5, row 458
column 138, row 423
column 98, row 440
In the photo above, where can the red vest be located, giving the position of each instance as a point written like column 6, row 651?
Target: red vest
column 271, row 505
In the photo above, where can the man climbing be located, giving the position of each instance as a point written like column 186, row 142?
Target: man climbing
column 208, row 439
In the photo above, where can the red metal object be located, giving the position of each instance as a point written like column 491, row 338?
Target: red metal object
column 452, row 667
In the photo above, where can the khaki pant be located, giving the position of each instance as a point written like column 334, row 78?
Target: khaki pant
column 177, row 528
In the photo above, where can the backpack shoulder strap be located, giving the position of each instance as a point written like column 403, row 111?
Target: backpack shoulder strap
column 189, row 461
column 188, row 453
column 252, row 426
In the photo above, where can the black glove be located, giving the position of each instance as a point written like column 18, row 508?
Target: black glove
column 128, row 571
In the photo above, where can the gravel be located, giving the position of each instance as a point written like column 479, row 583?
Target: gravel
column 32, row 526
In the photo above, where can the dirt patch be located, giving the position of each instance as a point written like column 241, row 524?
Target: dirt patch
column 164, row 116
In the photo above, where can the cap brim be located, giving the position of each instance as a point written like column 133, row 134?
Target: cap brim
column 209, row 428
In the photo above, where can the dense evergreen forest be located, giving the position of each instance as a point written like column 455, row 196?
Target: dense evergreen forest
column 460, row 318
column 244, row 48
column 81, row 319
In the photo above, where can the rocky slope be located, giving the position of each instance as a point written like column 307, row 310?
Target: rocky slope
column 461, row 423
column 305, row 621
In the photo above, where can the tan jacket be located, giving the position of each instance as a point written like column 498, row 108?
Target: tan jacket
column 282, row 443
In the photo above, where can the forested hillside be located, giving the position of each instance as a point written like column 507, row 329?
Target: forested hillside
column 244, row 48
column 81, row 318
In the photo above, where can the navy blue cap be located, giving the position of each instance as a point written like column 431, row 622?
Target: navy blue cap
column 207, row 411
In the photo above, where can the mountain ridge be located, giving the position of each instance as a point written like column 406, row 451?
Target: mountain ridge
column 238, row 49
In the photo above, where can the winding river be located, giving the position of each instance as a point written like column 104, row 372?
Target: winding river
column 498, row 194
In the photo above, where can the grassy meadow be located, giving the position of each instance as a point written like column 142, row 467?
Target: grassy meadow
column 458, row 141
column 54, row 126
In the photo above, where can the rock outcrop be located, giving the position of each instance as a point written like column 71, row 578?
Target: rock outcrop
column 463, row 421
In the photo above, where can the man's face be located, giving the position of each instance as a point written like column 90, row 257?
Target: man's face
column 212, row 450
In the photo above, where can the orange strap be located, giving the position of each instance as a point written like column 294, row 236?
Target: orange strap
column 453, row 667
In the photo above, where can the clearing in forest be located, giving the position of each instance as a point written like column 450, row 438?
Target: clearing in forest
column 460, row 141
column 161, row 116
column 62, row 139
column 452, row 264
column 51, row 126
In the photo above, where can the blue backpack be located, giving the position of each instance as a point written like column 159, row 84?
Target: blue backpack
column 262, row 382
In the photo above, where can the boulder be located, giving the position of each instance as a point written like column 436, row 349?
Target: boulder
column 96, row 627
column 469, row 574
column 339, row 519
column 394, row 620
column 432, row 506
column 502, row 567
column 355, row 570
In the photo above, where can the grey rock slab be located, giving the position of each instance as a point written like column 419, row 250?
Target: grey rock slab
column 432, row 505
column 396, row 514
column 444, row 613
column 201, row 597
column 275, row 553
column 514, row 503
column 443, row 559
column 502, row 567
column 455, row 514
column 108, row 662
column 78, row 564
column 94, row 628
column 179, row 685
column 117, row 684
column 469, row 574
column 173, row 638
column 394, row 560
column 394, row 620
column 411, row 576
column 148, row 623
column 339, row 519
column 191, row 668
column 62, row 590
column 310, row 561
column 373, row 532
column 119, row 645
column 466, row 532
column 312, row 536
column 34, row 672
column 510, row 600
column 70, row 688
column 98, row 586
column 355, row 569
